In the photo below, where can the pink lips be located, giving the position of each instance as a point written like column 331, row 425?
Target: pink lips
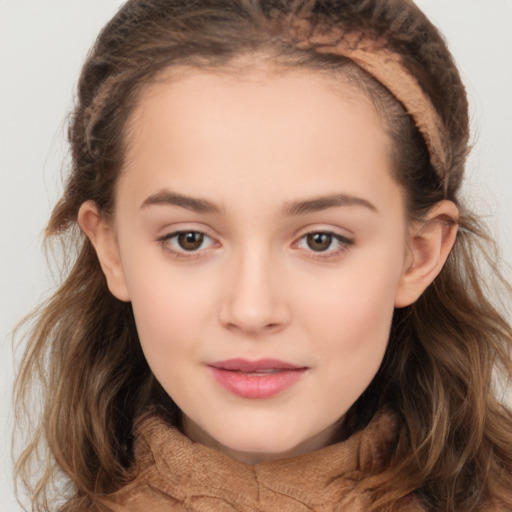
column 256, row 379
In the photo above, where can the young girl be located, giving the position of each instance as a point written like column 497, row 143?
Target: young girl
column 276, row 302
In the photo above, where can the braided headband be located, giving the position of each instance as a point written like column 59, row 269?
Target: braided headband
column 388, row 69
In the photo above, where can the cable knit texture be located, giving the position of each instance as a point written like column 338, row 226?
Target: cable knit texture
column 174, row 473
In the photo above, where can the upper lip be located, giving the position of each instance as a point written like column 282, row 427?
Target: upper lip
column 244, row 365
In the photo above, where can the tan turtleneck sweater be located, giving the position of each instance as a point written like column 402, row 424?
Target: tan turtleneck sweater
column 176, row 474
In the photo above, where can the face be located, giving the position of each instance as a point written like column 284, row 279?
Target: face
column 262, row 243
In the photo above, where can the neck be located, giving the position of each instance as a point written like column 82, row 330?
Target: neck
column 324, row 438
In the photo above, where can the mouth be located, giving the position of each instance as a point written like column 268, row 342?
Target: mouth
column 256, row 379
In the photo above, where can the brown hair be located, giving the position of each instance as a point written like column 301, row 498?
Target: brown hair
column 438, row 375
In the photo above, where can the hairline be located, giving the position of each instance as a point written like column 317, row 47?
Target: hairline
column 272, row 62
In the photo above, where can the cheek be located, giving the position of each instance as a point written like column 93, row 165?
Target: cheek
column 350, row 319
column 170, row 307
column 360, row 295
column 170, row 315
column 356, row 328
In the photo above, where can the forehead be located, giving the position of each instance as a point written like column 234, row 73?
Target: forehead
column 254, row 86
column 261, row 130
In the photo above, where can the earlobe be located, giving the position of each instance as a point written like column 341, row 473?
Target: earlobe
column 430, row 244
column 102, row 237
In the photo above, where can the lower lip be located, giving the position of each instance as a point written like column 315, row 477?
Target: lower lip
column 264, row 385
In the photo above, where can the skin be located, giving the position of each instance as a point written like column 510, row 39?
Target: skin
column 252, row 146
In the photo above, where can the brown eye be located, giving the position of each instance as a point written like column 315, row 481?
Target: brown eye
column 190, row 241
column 319, row 242
column 187, row 244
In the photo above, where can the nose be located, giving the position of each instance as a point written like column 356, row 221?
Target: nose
column 254, row 300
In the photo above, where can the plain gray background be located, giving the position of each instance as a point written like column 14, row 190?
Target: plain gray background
column 42, row 46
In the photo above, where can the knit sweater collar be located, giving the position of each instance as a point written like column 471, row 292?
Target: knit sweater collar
column 168, row 464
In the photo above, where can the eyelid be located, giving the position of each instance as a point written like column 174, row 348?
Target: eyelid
column 338, row 232
column 165, row 239
column 344, row 241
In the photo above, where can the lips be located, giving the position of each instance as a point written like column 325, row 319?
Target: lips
column 256, row 379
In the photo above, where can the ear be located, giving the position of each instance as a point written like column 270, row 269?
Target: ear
column 431, row 241
column 102, row 237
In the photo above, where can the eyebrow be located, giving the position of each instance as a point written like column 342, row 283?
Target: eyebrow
column 320, row 203
column 312, row 205
column 173, row 199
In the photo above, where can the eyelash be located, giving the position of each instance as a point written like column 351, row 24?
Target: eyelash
column 344, row 244
column 166, row 240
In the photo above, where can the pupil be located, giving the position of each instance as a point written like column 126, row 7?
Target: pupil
column 319, row 241
column 190, row 241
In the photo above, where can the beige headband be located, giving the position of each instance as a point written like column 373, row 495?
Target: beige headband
column 387, row 67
